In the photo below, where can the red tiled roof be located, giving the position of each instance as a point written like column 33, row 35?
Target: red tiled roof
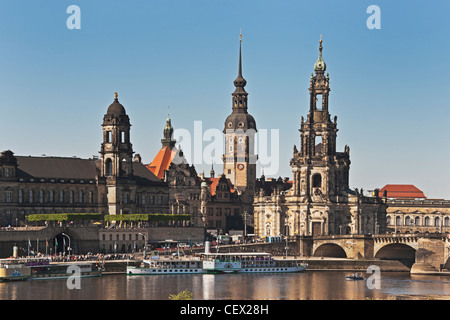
column 402, row 191
column 162, row 161
column 213, row 182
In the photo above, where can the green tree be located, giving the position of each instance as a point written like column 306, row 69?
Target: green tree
column 183, row 295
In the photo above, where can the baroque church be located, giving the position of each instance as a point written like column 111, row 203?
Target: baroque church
column 318, row 200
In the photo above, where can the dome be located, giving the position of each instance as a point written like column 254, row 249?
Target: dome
column 116, row 108
column 240, row 120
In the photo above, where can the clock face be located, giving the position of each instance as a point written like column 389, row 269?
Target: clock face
column 240, row 166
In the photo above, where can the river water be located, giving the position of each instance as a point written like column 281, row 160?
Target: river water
column 309, row 285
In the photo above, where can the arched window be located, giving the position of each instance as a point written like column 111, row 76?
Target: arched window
column 417, row 221
column 388, row 220
column 436, row 222
column 317, row 180
column 407, row 221
column 447, row 221
column 80, row 196
column 398, row 221
column 427, row 221
column 108, row 167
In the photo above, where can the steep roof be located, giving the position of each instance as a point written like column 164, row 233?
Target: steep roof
column 162, row 161
column 402, row 191
column 74, row 168
column 214, row 182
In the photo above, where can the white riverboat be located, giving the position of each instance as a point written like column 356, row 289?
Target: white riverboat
column 14, row 269
column 249, row 263
column 45, row 269
column 167, row 266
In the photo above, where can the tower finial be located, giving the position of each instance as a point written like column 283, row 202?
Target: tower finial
column 320, row 65
column 116, row 96
column 240, row 81
column 240, row 35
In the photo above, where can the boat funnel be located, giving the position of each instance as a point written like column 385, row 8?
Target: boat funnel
column 15, row 251
column 207, row 246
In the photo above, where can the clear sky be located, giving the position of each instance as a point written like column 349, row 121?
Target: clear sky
column 389, row 87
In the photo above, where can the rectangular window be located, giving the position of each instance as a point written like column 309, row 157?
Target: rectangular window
column 20, row 196
column 51, row 196
column 71, row 196
column 8, row 197
column 61, row 196
column 108, row 136
column 30, row 196
column 41, row 196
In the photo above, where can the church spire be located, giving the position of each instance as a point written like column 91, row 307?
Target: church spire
column 168, row 131
column 239, row 94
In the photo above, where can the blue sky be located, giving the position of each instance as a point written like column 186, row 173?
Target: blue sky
column 389, row 87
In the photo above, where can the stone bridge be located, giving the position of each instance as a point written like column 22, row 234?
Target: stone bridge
column 421, row 252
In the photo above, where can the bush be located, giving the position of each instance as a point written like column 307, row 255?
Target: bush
column 183, row 295
column 64, row 217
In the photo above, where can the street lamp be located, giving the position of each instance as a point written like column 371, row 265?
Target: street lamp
column 68, row 248
column 145, row 243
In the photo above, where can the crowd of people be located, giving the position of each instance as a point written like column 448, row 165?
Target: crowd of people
column 87, row 257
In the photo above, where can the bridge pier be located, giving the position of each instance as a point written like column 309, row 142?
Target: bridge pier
column 431, row 255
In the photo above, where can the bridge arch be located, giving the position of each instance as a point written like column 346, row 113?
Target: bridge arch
column 397, row 251
column 330, row 250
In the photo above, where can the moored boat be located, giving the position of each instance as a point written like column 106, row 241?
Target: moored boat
column 157, row 265
column 13, row 269
column 249, row 263
column 45, row 269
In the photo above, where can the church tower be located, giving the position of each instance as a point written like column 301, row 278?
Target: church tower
column 116, row 149
column 320, row 173
column 239, row 160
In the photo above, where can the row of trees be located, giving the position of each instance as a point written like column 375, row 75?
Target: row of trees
column 107, row 218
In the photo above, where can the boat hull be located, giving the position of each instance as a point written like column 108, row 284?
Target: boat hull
column 14, row 274
column 161, row 271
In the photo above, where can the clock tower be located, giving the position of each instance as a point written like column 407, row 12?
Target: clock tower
column 239, row 160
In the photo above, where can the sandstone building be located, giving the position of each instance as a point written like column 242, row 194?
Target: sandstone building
column 318, row 200
column 115, row 183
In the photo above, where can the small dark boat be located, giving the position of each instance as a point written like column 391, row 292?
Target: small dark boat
column 355, row 276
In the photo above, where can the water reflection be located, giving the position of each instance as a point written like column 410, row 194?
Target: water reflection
column 310, row 285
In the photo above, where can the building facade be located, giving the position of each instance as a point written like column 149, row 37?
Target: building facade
column 410, row 211
column 115, row 183
column 319, row 201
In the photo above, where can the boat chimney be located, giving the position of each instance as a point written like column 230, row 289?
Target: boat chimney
column 15, row 251
column 207, row 246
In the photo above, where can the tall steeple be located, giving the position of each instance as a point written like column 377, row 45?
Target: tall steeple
column 319, row 171
column 239, row 160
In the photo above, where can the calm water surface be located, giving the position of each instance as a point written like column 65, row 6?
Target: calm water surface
column 310, row 285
